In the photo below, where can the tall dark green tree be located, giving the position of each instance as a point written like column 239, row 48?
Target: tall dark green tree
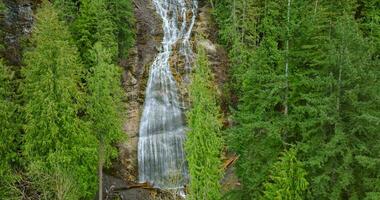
column 105, row 107
column 56, row 140
column 94, row 24
column 203, row 145
column 304, row 73
column 123, row 17
column 348, row 163
column 260, row 117
column 93, row 19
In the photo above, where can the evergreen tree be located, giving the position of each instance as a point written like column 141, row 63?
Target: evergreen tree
column 67, row 9
column 94, row 24
column 204, row 144
column 293, row 73
column 105, row 105
column 348, row 162
column 9, row 127
column 257, row 136
column 108, row 21
column 10, row 136
column 287, row 180
column 123, row 17
column 56, row 140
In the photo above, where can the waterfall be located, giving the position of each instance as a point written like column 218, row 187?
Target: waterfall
column 161, row 156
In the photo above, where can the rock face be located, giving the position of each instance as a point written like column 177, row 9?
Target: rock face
column 17, row 26
column 149, row 34
column 217, row 56
column 218, row 60
column 115, row 188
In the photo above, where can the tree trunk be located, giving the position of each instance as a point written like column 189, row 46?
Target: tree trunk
column 315, row 7
column 287, row 61
column 101, row 163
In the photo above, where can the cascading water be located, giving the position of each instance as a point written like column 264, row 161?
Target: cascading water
column 161, row 155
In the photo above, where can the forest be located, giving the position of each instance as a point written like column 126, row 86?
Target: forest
column 190, row 99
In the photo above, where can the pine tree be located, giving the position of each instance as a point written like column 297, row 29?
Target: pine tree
column 203, row 145
column 105, row 105
column 287, row 180
column 56, row 140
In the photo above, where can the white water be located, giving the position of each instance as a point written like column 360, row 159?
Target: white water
column 161, row 156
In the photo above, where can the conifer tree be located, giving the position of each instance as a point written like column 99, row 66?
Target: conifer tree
column 258, row 134
column 123, row 17
column 105, row 105
column 203, row 145
column 9, row 128
column 321, row 43
column 56, row 140
column 94, row 24
column 287, row 179
column 10, row 136
column 348, row 164
column 67, row 9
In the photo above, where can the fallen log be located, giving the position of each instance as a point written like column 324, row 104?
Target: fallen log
column 228, row 163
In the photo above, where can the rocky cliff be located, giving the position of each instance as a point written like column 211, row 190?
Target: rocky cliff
column 16, row 25
column 149, row 33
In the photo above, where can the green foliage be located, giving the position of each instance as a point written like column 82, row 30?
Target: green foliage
column 260, row 120
column 203, row 145
column 349, row 157
column 67, row 9
column 124, row 19
column 58, row 183
column 8, row 108
column 2, row 14
column 287, row 180
column 105, row 101
column 94, row 24
column 8, row 183
column 110, row 22
column 56, row 139
column 9, row 128
column 306, row 74
column 2, row 6
column 9, row 134
column 63, row 127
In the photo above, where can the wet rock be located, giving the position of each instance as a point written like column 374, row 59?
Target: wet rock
column 208, row 46
column 116, row 188
column 149, row 35
column 217, row 56
column 218, row 60
column 17, row 25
